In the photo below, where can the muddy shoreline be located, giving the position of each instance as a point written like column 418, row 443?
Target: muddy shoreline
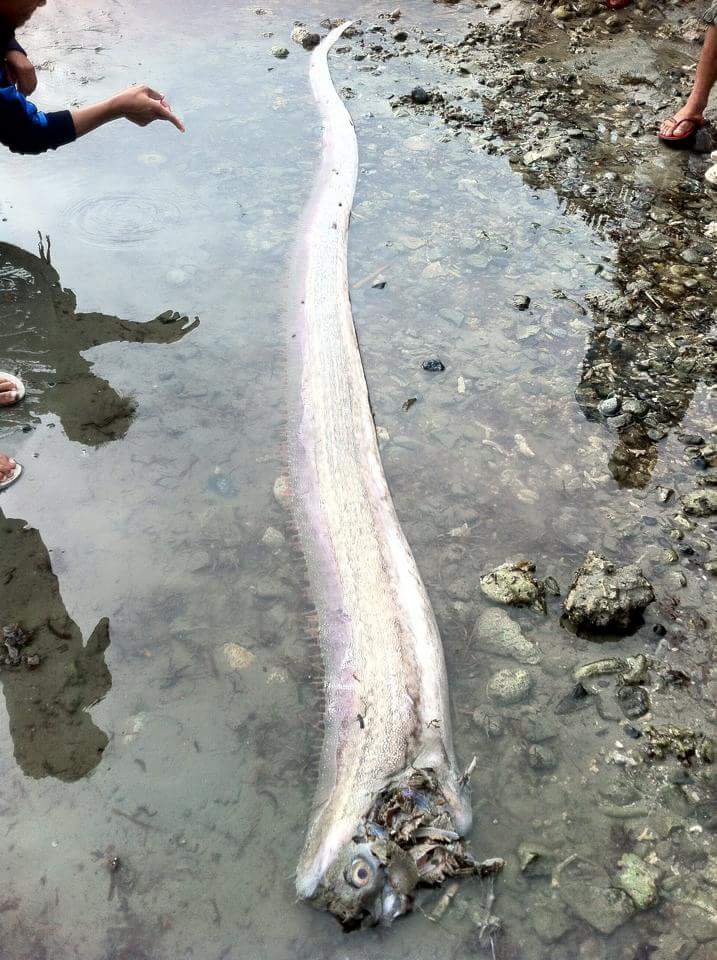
column 516, row 228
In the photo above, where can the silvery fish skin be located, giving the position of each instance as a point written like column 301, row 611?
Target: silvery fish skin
column 387, row 733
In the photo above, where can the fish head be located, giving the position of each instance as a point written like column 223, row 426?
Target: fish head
column 364, row 867
column 368, row 881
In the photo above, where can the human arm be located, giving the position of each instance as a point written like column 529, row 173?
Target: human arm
column 25, row 129
column 19, row 69
column 141, row 105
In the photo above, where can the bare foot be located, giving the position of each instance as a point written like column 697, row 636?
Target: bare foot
column 683, row 123
column 8, row 393
column 7, row 467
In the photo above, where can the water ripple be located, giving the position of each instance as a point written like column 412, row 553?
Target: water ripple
column 122, row 218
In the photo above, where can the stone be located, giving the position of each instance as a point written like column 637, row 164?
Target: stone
column 282, row 492
column 433, row 366
column 497, row 633
column 604, row 596
column 634, row 701
column 521, row 301
column 701, row 502
column 547, row 153
column 535, row 860
column 550, row 919
column 609, row 406
column 509, row 686
column 513, row 584
column 419, row 95
column 590, row 893
column 237, row 657
column 639, row 881
column 308, row 40
column 541, row 757
column 281, row 53
column 272, row 537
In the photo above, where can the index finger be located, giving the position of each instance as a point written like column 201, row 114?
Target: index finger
column 166, row 114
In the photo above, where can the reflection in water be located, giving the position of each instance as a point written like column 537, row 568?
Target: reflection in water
column 52, row 731
column 653, row 374
column 43, row 339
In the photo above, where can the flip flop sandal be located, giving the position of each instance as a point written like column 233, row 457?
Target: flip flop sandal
column 15, row 475
column 686, row 140
column 19, row 386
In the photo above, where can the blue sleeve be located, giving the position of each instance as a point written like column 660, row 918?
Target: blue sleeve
column 25, row 129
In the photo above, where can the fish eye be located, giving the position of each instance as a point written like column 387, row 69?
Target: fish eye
column 360, row 872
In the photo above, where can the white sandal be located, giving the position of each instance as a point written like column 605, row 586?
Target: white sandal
column 711, row 172
column 15, row 475
column 19, row 386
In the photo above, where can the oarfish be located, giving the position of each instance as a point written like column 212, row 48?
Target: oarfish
column 391, row 806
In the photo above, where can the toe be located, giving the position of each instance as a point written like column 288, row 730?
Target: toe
column 7, row 397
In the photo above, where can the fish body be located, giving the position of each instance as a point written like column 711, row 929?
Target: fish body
column 387, row 731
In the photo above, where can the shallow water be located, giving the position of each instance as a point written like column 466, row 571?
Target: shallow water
column 151, row 455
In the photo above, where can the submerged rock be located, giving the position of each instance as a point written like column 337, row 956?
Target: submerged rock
column 419, row 95
column 605, row 596
column 509, row 686
column 634, row 701
column 591, row 895
column 433, row 366
column 701, row 502
column 307, row 39
column 282, row 491
column 639, row 881
column 281, row 53
column 237, row 657
column 496, row 632
column 514, row 584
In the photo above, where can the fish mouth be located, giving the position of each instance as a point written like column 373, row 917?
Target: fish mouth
column 408, row 840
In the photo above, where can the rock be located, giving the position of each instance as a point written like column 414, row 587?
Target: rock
column 281, row 53
column 634, row 701
column 589, row 892
column 433, row 366
column 605, row 596
column 237, row 657
column 513, row 584
column 637, row 408
column 272, row 537
column 639, row 881
column 400, row 36
column 578, row 699
column 497, row 633
column 281, row 491
column 563, row 13
column 701, row 502
column 509, row 686
column 419, row 95
column 550, row 919
column 609, row 406
column 521, row 301
column 548, row 153
column 541, row 757
column 535, row 860
column 307, row 39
